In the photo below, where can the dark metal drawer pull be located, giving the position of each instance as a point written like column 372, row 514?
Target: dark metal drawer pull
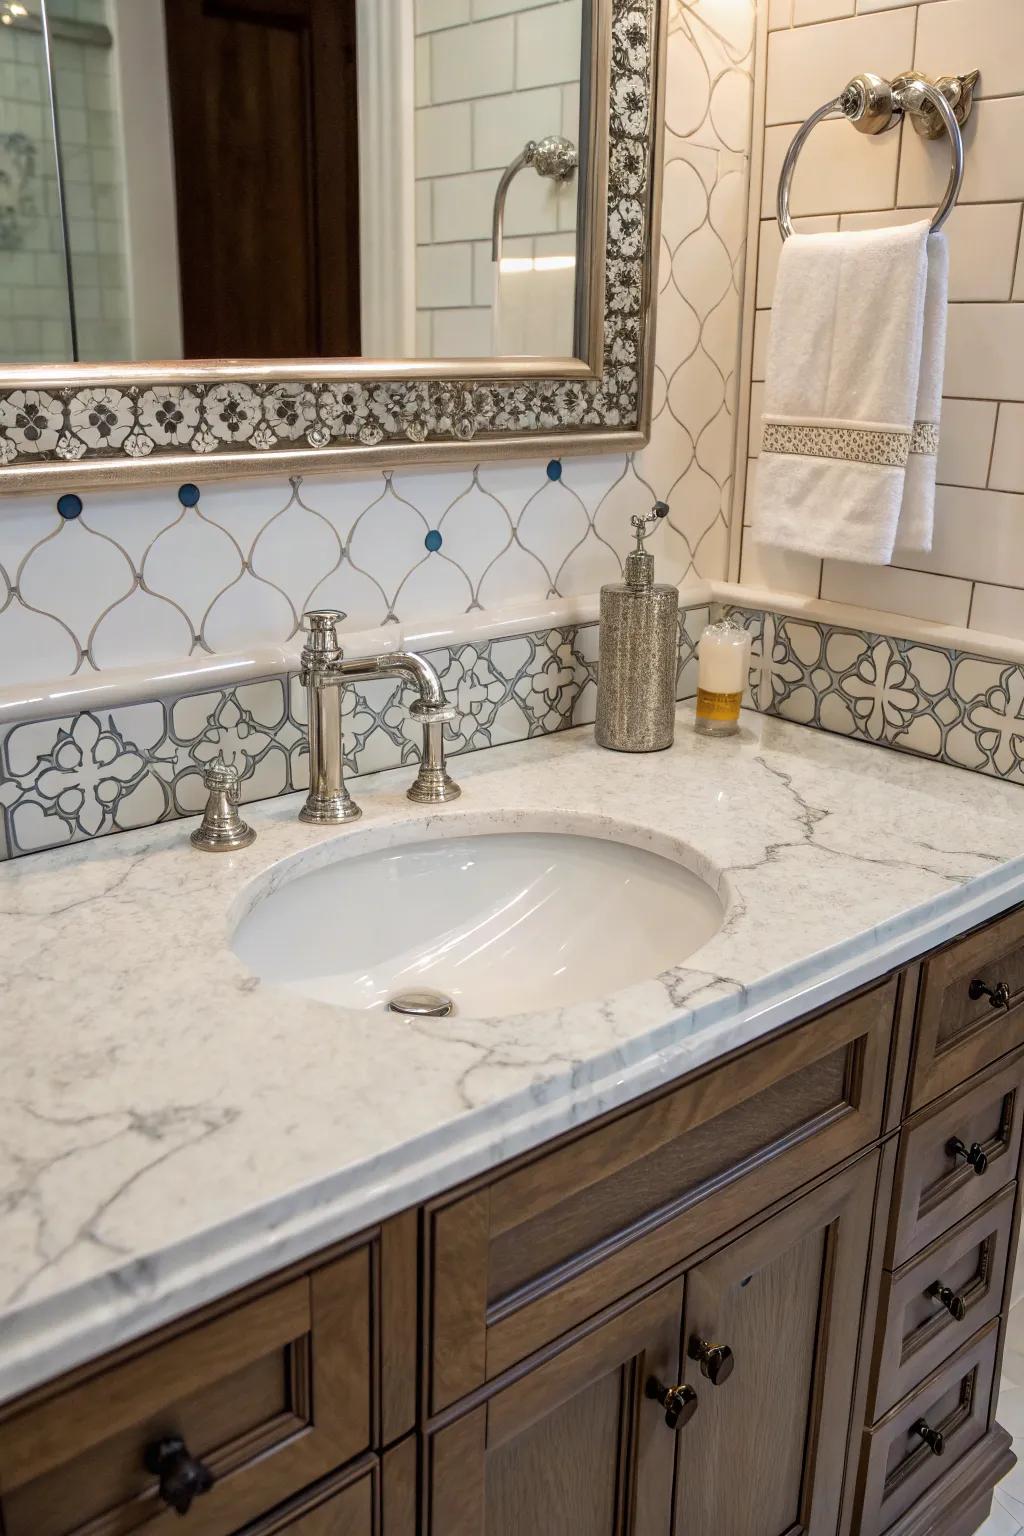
column 679, row 1403
column 183, row 1477
column 934, row 1439
column 998, row 996
column 716, row 1360
column 972, row 1154
column 955, row 1305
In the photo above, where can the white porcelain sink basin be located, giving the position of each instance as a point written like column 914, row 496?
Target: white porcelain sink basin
column 498, row 923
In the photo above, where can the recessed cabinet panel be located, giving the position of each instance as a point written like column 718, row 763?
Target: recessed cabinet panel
column 941, row 1297
column 267, row 1398
column 577, row 1445
column 970, row 1010
column 955, row 1155
column 925, row 1435
column 518, row 1264
column 770, row 1337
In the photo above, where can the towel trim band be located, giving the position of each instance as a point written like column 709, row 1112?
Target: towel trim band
column 852, row 445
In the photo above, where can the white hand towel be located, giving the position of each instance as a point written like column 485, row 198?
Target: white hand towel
column 917, row 515
column 844, row 368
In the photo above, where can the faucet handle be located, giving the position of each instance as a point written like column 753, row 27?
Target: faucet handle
column 322, row 648
column 222, row 829
column 316, row 621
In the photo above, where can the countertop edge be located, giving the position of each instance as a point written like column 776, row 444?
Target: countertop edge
column 45, row 1339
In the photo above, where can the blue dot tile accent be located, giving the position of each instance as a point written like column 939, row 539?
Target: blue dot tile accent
column 555, row 469
column 433, row 541
column 70, row 506
column 188, row 495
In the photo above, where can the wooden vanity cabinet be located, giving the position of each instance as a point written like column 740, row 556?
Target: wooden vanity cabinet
column 769, row 1300
column 765, row 1451
column 575, row 1444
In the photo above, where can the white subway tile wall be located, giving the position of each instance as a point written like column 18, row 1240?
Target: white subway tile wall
column 974, row 575
column 140, row 577
column 491, row 74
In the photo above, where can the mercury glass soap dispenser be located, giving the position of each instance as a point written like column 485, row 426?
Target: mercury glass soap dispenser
column 637, row 657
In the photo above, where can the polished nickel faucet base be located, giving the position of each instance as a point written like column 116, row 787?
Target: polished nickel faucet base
column 330, row 810
column 222, row 829
column 432, row 786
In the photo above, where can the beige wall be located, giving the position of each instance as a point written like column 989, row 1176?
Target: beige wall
column 974, row 575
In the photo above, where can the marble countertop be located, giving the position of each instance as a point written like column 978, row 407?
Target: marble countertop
column 170, row 1129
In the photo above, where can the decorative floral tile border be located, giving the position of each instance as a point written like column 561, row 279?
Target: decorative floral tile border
column 132, row 423
column 937, row 702
column 102, row 771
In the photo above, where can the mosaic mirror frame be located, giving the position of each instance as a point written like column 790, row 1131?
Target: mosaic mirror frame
column 137, row 422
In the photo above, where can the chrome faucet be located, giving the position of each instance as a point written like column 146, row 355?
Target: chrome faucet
column 324, row 673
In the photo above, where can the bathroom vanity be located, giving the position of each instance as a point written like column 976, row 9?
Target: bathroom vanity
column 728, row 1254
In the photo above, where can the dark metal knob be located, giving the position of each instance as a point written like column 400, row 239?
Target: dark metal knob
column 716, row 1360
column 998, row 996
column 934, row 1439
column 679, row 1403
column 955, row 1305
column 182, row 1477
column 972, row 1154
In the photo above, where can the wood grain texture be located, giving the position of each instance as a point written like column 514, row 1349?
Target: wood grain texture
column 786, row 1299
column 271, row 1397
column 917, row 1331
column 458, row 1467
column 342, row 1373
column 457, row 1339
column 45, row 1437
column 897, row 1470
column 400, row 1489
column 399, row 1325
column 621, row 1204
column 343, row 1505
column 959, row 1502
column 935, row 1189
column 594, row 1157
column 958, row 1036
column 573, row 1444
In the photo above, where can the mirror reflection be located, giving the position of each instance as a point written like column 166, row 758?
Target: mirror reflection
column 252, row 179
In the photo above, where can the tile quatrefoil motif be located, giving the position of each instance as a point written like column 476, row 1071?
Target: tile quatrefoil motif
column 945, row 704
column 107, row 422
column 98, row 772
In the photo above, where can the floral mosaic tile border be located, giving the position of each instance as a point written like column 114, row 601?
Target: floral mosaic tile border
column 930, row 700
column 101, row 771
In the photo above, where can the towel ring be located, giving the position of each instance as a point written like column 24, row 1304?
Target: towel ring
column 872, row 105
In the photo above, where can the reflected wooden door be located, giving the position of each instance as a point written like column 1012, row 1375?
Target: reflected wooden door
column 264, row 117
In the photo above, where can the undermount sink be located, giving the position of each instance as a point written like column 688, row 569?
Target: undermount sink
column 491, row 924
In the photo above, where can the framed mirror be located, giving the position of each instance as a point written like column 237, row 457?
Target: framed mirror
column 312, row 233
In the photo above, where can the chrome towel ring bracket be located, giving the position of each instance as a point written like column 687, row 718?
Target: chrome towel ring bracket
column 873, row 105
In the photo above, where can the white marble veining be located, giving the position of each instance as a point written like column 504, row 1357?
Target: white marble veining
column 170, row 1128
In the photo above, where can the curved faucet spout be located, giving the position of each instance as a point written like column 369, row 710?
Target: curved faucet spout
column 324, row 673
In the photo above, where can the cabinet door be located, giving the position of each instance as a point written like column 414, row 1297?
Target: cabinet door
column 573, row 1445
column 765, row 1452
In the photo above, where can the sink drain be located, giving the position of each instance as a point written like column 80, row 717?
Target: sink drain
column 423, row 1004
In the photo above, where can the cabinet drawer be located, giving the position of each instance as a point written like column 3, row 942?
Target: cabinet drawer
column 897, row 1466
column 935, row 1185
column 922, row 1327
column 517, row 1263
column 269, row 1397
column 959, row 1033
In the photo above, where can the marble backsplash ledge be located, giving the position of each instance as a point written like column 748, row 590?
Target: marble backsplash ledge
column 82, row 775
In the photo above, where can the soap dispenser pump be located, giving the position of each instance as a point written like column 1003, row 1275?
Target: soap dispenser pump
column 637, row 656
